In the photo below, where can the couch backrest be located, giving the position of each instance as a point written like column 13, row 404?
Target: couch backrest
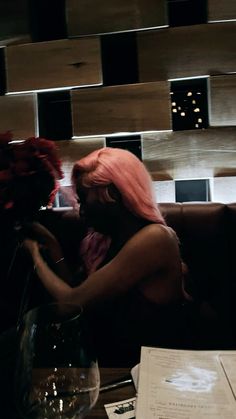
column 207, row 233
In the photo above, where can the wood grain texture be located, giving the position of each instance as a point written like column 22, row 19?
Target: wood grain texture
column 116, row 109
column 222, row 106
column 18, row 114
column 73, row 150
column 221, row 10
column 54, row 64
column 101, row 16
column 190, row 154
column 187, row 51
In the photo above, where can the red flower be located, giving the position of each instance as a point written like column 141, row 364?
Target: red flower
column 35, row 161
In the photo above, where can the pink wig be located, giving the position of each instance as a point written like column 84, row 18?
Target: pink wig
column 123, row 169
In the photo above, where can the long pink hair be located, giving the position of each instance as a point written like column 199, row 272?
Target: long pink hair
column 123, row 169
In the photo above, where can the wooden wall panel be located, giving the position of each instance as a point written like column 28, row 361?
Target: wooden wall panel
column 222, row 106
column 18, row 114
column 96, row 16
column 187, row 51
column 190, row 154
column 14, row 21
column 54, row 64
column 73, row 150
column 116, row 109
column 221, row 10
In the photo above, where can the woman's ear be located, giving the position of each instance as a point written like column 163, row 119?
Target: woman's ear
column 114, row 193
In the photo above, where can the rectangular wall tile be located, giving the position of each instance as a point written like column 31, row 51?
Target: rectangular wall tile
column 73, row 150
column 164, row 191
column 119, row 109
column 224, row 189
column 221, row 10
column 187, row 51
column 14, row 20
column 54, row 64
column 190, row 154
column 92, row 16
column 222, row 109
column 18, row 114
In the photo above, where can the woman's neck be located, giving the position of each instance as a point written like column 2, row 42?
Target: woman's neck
column 122, row 230
column 126, row 227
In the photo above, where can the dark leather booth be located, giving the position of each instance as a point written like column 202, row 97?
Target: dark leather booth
column 207, row 233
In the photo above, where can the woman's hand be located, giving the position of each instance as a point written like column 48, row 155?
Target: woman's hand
column 36, row 231
column 41, row 239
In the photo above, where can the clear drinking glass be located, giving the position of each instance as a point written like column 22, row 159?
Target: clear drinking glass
column 57, row 375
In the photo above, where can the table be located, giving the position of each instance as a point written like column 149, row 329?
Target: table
column 107, row 375
column 111, row 396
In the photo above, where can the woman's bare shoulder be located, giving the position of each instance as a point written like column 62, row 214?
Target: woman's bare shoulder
column 150, row 238
column 156, row 233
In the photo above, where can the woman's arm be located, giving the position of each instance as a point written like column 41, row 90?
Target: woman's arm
column 56, row 286
column 151, row 250
column 53, row 248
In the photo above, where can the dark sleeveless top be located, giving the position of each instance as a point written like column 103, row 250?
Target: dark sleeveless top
column 123, row 324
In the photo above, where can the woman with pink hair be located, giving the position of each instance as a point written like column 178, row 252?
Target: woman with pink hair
column 133, row 289
column 126, row 172
column 114, row 175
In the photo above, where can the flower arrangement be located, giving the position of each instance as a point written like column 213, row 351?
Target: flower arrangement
column 29, row 174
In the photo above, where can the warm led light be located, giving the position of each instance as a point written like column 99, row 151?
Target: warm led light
column 179, row 108
column 51, row 89
column 221, row 21
column 189, row 94
column 199, row 120
column 194, row 102
column 182, row 114
column 196, row 125
column 173, row 103
column 197, row 110
column 174, row 110
column 118, row 134
column 189, row 78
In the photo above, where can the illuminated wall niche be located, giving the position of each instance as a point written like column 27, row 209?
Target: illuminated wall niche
column 189, row 104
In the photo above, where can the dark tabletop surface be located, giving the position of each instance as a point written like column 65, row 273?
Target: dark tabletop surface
column 114, row 395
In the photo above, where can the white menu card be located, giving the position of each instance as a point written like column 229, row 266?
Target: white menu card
column 182, row 384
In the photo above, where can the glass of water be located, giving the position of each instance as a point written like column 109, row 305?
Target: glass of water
column 57, row 374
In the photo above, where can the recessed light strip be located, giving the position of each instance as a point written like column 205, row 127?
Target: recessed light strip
column 119, row 134
column 190, row 78
column 51, row 89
